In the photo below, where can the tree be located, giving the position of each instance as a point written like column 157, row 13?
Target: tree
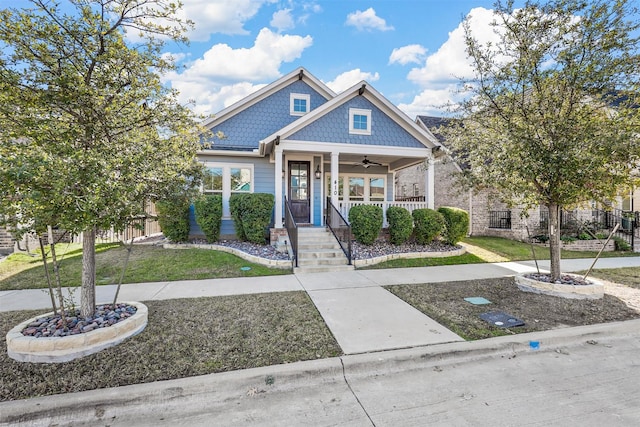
column 88, row 131
column 552, row 118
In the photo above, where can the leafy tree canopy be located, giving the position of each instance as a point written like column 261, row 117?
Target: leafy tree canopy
column 552, row 113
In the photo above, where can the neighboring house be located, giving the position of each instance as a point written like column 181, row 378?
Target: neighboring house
column 300, row 141
column 488, row 215
column 6, row 242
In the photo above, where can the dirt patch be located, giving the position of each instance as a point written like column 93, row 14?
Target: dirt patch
column 444, row 302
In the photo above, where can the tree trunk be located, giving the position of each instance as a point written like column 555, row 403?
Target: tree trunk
column 88, row 294
column 554, row 240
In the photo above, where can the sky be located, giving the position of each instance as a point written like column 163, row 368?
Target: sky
column 411, row 51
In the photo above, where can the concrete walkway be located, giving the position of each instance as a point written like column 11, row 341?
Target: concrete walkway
column 362, row 315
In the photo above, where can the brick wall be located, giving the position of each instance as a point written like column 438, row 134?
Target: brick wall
column 6, row 242
column 407, row 178
column 447, row 192
column 484, row 202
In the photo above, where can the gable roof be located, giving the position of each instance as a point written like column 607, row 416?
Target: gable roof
column 252, row 99
column 359, row 89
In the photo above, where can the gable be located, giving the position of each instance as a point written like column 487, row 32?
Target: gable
column 244, row 130
column 334, row 127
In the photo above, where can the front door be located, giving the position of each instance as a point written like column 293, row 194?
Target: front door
column 299, row 191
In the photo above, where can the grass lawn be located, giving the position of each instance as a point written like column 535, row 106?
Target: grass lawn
column 427, row 262
column 146, row 264
column 514, row 250
column 184, row 337
column 629, row 276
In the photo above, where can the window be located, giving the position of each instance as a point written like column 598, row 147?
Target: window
column 359, row 121
column 359, row 188
column 500, row 219
column 228, row 179
column 376, row 189
column 299, row 104
column 240, row 180
column 213, row 181
column 356, row 188
column 416, row 190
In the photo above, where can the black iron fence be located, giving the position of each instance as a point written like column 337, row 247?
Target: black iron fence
column 292, row 229
column 500, row 219
column 340, row 228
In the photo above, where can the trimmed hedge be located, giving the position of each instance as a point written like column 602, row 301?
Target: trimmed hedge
column 173, row 218
column 252, row 214
column 366, row 223
column 208, row 209
column 428, row 224
column 457, row 224
column 400, row 224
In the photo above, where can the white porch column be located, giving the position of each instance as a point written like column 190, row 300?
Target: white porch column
column 430, row 184
column 278, row 187
column 335, row 171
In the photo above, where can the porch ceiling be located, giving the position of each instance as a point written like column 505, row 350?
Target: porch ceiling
column 394, row 162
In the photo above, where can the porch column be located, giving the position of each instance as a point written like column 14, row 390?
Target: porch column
column 335, row 171
column 430, row 184
column 278, row 188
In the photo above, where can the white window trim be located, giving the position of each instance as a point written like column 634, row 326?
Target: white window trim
column 226, row 183
column 293, row 97
column 367, row 186
column 359, row 112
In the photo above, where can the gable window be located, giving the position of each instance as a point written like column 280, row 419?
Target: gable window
column 299, row 104
column 359, row 121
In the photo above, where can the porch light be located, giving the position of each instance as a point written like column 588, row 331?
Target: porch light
column 317, row 173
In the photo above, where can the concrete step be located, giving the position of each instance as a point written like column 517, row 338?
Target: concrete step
column 322, row 261
column 322, row 269
column 321, row 253
column 311, row 246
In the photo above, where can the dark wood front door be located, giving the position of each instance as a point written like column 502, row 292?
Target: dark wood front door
column 299, row 191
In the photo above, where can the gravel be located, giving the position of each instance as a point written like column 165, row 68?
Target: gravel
column 54, row 326
column 565, row 279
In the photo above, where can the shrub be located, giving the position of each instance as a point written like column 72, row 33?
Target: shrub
column 252, row 214
column 428, row 224
column 173, row 218
column 208, row 210
column 457, row 224
column 621, row 244
column 400, row 224
column 366, row 223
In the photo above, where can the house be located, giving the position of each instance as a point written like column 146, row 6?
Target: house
column 491, row 217
column 308, row 146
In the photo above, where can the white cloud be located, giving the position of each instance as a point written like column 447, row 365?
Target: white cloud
column 214, row 80
column 282, row 20
column 406, row 54
column 440, row 73
column 450, row 62
column 367, row 20
column 349, row 78
column 220, row 16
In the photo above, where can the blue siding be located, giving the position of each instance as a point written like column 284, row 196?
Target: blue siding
column 244, row 130
column 263, row 176
column 334, row 127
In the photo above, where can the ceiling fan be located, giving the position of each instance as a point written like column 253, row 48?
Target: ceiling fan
column 365, row 163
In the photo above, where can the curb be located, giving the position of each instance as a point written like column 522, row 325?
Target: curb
column 283, row 264
column 130, row 402
column 359, row 263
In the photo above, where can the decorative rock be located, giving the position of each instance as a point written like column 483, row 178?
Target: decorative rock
column 570, row 286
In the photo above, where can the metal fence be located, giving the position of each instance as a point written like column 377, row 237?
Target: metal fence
column 500, row 219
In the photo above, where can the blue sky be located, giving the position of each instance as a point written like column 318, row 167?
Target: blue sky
column 409, row 50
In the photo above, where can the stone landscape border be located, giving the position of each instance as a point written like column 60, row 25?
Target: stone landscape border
column 275, row 263
column 358, row 263
column 63, row 349
column 594, row 290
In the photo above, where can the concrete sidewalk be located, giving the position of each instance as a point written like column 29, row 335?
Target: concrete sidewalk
column 362, row 316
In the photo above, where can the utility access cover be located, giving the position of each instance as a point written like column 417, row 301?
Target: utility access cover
column 501, row 319
column 477, row 300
